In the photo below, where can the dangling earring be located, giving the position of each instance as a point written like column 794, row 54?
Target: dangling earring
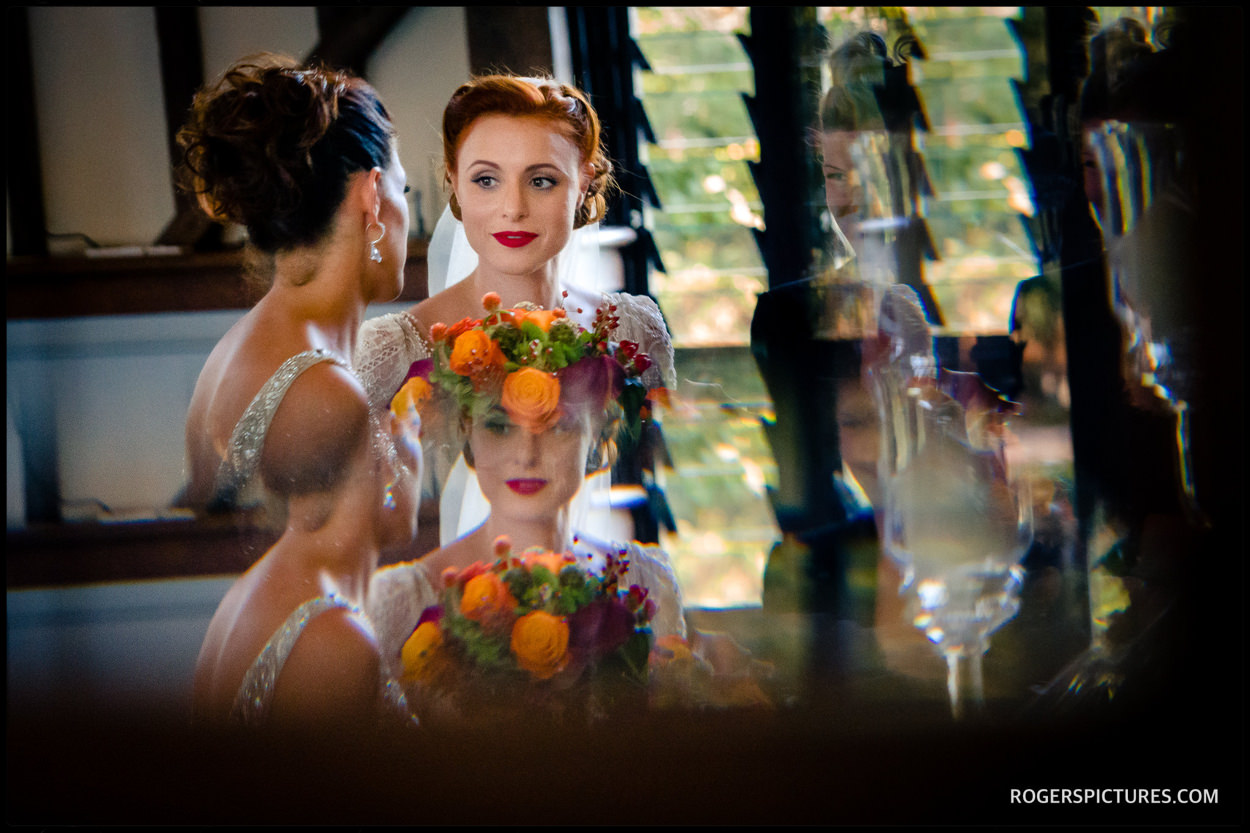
column 374, row 254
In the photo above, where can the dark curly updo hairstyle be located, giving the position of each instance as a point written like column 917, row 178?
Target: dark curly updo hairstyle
column 272, row 144
column 857, row 70
column 511, row 95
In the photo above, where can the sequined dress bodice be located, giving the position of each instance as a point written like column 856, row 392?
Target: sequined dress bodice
column 236, row 484
column 255, row 697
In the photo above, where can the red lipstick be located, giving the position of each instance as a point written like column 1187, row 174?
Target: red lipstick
column 514, row 239
column 527, row 486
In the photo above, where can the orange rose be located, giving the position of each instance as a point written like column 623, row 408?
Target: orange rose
column 486, row 598
column 542, row 318
column 532, row 399
column 540, row 642
column 419, row 651
column 475, row 354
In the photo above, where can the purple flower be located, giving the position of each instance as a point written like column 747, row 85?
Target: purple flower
column 420, row 368
column 433, row 613
column 599, row 629
column 591, row 382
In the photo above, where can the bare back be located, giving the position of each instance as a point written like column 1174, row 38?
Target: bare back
column 325, row 448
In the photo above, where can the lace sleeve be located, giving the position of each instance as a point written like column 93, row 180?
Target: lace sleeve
column 385, row 349
column 649, row 567
column 641, row 321
column 398, row 595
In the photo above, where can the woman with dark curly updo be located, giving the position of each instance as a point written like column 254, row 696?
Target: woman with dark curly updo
column 305, row 159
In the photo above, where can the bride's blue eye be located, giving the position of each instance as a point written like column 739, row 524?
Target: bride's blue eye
column 485, row 181
column 543, row 182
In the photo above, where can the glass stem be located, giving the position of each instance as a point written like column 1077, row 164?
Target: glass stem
column 964, row 682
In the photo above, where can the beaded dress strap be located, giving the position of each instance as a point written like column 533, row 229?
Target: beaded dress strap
column 251, row 705
column 248, row 438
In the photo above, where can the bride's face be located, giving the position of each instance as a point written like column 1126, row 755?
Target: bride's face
column 519, row 181
column 530, row 476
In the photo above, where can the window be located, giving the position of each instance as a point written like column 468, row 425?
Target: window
column 722, row 464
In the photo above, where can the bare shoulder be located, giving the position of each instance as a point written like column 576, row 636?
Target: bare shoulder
column 333, row 672
column 447, row 307
column 321, row 424
column 459, row 554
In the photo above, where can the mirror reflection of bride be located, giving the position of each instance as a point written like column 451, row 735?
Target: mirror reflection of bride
column 533, row 435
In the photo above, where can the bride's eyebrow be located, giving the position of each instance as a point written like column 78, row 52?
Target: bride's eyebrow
column 538, row 167
column 544, row 167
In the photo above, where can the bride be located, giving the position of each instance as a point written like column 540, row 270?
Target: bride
column 526, row 168
column 306, row 160
column 533, row 436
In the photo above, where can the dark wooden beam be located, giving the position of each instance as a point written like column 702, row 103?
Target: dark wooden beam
column 43, row 287
column 182, row 73
column 350, row 35
column 27, row 221
column 509, row 38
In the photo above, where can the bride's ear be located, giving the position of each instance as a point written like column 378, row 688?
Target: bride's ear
column 452, row 201
column 366, row 193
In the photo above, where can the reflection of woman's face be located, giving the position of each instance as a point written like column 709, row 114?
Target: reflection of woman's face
column 525, row 475
column 519, row 181
column 1090, row 171
column 859, row 435
column 843, row 195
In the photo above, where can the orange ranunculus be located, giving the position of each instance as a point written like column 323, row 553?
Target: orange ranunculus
column 553, row 561
column 542, row 318
column 419, row 651
column 463, row 325
column 540, row 642
column 474, row 354
column 486, row 598
column 491, row 301
column 532, row 399
column 411, row 397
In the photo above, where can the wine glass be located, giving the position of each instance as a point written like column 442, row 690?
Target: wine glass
column 960, row 519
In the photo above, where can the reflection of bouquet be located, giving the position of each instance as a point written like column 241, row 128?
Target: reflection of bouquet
column 683, row 677
column 534, row 630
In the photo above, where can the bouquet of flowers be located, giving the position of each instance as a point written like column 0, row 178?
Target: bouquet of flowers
column 525, row 360
column 535, row 631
